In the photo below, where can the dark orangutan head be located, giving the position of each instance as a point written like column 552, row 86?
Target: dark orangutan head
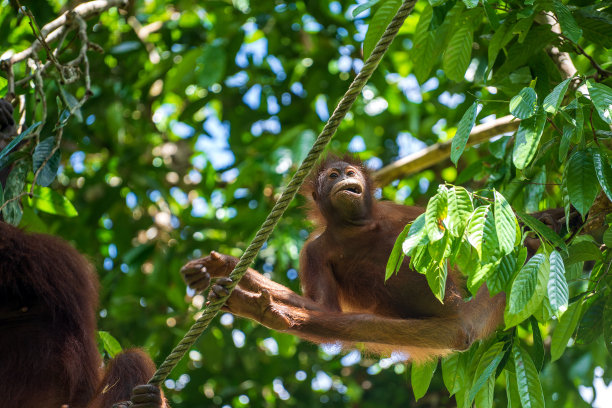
column 342, row 190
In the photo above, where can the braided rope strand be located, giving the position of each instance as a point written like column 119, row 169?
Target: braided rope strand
column 289, row 193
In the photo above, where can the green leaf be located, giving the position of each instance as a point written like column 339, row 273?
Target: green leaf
column 485, row 397
column 601, row 96
column 558, row 293
column 210, row 65
column 486, row 367
column 527, row 379
column 421, row 260
column 581, row 251
column 498, row 280
column 42, row 152
column 490, row 245
column 435, row 214
column 460, row 208
column 538, row 345
column 534, row 190
column 452, row 372
column 416, row 236
column 607, row 324
column 524, row 285
column 421, row 377
column 424, row 46
column 110, row 344
column 505, row 224
column 568, row 132
column 596, row 25
column 378, row 25
column 500, row 39
column 363, row 7
column 543, row 230
column 436, row 279
column 553, row 100
column 582, row 184
column 463, row 132
column 569, row 27
column 607, row 236
column 527, row 139
column 514, row 400
column 525, row 104
column 15, row 184
column 475, row 229
column 591, row 322
column 564, row 330
column 50, row 201
column 603, row 171
column 397, row 255
column 459, row 50
column 18, row 139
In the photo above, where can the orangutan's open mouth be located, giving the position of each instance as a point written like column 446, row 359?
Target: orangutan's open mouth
column 348, row 186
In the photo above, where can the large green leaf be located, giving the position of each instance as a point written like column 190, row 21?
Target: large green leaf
column 490, row 245
column 558, row 293
column 416, row 236
column 453, row 372
column 505, row 224
column 7, row 149
column 50, row 201
column 15, row 184
column 527, row 379
column 459, row 50
column 378, row 25
column 421, row 377
column 564, row 144
column 553, row 100
column 397, row 255
column 564, row 330
column 498, row 280
column 603, row 171
column 524, row 285
column 43, row 155
column 601, row 95
column 435, row 214
column 486, row 367
column 460, row 208
column 569, row 27
column 424, row 46
column 527, row 139
column 607, row 321
column 110, row 344
column 463, row 132
column 525, row 104
column 543, row 230
column 582, row 184
column 436, row 279
column 475, row 228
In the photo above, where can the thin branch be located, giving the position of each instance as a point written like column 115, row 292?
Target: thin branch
column 56, row 28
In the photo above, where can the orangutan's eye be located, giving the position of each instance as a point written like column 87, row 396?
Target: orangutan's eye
column 350, row 173
column 333, row 175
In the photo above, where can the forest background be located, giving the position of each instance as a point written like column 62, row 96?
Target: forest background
column 156, row 131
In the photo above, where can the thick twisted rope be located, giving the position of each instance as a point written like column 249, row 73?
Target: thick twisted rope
column 290, row 191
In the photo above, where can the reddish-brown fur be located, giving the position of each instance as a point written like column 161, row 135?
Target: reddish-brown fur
column 342, row 270
column 49, row 356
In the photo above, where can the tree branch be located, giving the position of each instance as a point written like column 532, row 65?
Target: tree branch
column 441, row 151
column 56, row 28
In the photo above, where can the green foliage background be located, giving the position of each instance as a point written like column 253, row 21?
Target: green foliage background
column 192, row 131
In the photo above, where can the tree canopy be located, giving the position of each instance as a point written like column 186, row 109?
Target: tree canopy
column 151, row 132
